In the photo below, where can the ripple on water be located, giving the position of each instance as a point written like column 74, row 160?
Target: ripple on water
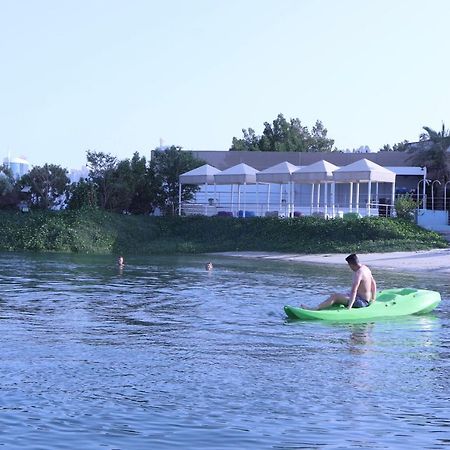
column 163, row 354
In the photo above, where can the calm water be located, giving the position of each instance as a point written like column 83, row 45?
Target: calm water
column 165, row 355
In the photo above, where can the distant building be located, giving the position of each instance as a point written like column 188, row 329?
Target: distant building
column 76, row 174
column 18, row 166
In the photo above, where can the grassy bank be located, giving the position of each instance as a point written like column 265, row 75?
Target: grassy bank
column 106, row 233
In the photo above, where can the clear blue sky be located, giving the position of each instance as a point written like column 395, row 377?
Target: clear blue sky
column 116, row 76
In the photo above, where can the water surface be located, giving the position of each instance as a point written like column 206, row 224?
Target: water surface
column 163, row 354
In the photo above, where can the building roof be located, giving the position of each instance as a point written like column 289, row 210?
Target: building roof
column 319, row 171
column 364, row 170
column 200, row 175
column 279, row 173
column 238, row 174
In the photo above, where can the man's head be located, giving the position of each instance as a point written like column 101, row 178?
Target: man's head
column 352, row 261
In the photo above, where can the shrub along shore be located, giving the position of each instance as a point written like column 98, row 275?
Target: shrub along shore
column 99, row 232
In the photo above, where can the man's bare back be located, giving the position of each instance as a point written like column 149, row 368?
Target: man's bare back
column 363, row 291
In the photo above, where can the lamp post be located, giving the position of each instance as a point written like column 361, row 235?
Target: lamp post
column 432, row 193
column 424, row 197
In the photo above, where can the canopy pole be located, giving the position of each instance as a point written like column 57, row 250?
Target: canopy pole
column 369, row 193
column 179, row 199
column 333, row 196
column 245, row 198
column 232, row 198
column 257, row 198
column 239, row 199
column 292, row 199
column 281, row 197
column 318, row 197
column 393, row 198
column 206, row 196
column 351, row 197
column 357, row 197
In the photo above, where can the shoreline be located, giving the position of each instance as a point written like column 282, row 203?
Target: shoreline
column 437, row 261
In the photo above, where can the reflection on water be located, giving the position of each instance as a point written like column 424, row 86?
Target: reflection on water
column 163, row 354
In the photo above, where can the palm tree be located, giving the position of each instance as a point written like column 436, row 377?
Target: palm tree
column 434, row 152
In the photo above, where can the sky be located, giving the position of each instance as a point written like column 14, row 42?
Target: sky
column 119, row 76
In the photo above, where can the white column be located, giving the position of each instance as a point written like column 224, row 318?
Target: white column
column 376, row 193
column 312, row 197
column 268, row 197
column 326, row 199
column 369, row 193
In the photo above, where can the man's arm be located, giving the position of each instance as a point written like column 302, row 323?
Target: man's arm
column 373, row 289
column 356, row 281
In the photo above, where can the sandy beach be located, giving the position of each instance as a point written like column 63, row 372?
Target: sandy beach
column 437, row 261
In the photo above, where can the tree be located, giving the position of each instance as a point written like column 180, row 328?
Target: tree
column 140, row 202
column 7, row 181
column 82, row 195
column 433, row 152
column 101, row 172
column 284, row 136
column 47, row 184
column 166, row 167
column 132, row 186
column 399, row 147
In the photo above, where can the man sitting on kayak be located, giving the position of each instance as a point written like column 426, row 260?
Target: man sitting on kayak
column 364, row 288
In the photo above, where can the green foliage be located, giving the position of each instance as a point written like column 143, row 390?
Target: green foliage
column 97, row 231
column 82, row 195
column 405, row 207
column 47, row 183
column 166, row 167
column 6, row 183
column 284, row 136
column 101, row 172
column 433, row 153
column 399, row 147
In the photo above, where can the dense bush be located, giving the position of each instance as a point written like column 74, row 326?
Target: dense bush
column 96, row 231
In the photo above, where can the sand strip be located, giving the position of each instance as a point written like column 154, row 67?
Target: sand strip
column 437, row 261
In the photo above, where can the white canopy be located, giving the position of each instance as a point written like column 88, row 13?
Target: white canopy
column 239, row 174
column 315, row 173
column 201, row 175
column 280, row 173
column 363, row 171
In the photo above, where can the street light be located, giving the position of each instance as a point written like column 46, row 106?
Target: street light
column 445, row 195
column 432, row 193
column 424, row 196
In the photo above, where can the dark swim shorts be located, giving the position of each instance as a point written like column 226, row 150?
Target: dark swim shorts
column 360, row 302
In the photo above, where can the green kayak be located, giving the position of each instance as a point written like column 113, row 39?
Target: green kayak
column 389, row 303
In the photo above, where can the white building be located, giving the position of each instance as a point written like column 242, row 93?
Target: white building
column 18, row 166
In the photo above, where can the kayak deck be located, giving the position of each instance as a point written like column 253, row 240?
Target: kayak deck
column 389, row 303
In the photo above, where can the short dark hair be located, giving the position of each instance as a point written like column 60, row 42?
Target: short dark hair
column 352, row 259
